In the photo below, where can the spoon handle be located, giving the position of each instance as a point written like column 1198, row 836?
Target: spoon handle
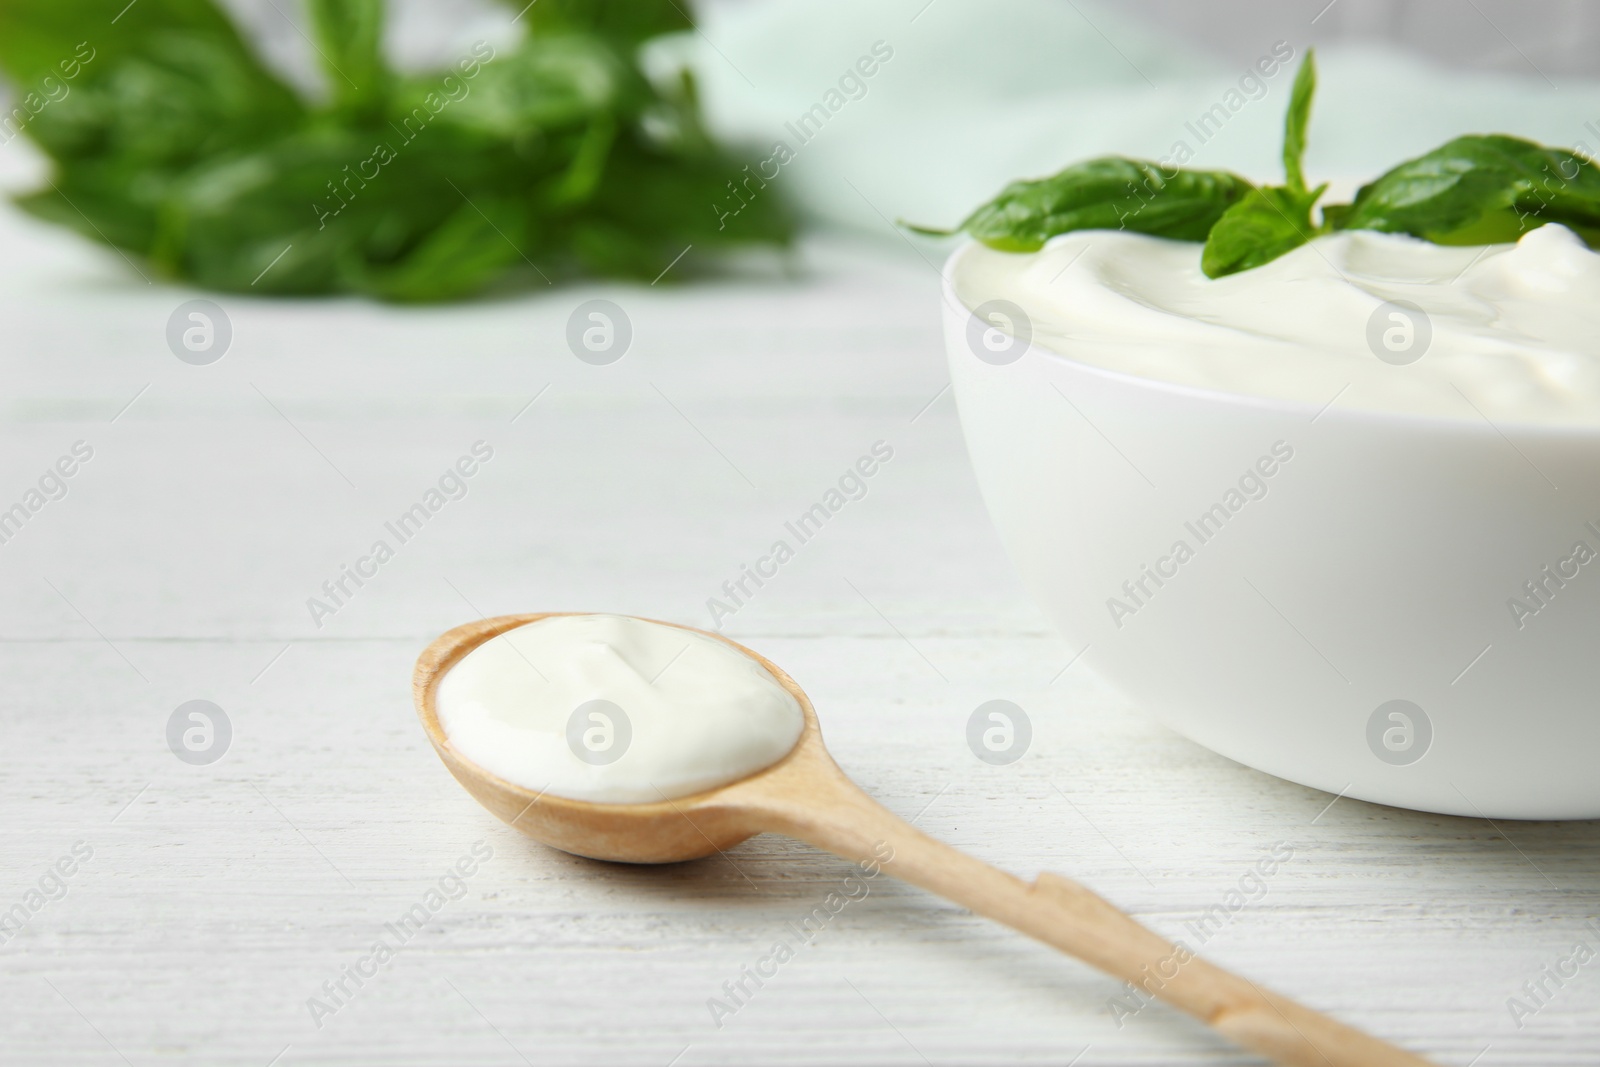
column 1061, row 913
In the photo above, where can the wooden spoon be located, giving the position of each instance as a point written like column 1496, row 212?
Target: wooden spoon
column 806, row 796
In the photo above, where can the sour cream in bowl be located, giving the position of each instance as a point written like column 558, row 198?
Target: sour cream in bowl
column 1336, row 517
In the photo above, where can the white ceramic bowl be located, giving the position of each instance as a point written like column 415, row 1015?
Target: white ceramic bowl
column 1350, row 628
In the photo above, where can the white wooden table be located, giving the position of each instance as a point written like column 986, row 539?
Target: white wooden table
column 218, row 899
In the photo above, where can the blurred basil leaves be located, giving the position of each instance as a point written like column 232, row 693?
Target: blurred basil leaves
column 553, row 158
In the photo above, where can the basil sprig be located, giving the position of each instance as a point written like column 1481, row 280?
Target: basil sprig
column 1273, row 219
column 1476, row 189
column 1109, row 193
column 1479, row 189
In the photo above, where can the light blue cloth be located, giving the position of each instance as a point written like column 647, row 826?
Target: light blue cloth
column 979, row 92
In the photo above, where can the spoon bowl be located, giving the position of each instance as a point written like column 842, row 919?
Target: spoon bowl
column 806, row 796
column 665, row 831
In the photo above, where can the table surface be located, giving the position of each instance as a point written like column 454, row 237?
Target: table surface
column 217, row 900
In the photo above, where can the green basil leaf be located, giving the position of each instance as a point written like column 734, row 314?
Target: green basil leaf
column 1109, row 193
column 544, row 84
column 1479, row 189
column 625, row 22
column 1263, row 226
column 38, row 37
column 463, row 255
column 650, row 207
column 225, row 221
column 1296, row 121
column 173, row 83
column 110, row 202
column 340, row 216
column 350, row 42
column 1276, row 219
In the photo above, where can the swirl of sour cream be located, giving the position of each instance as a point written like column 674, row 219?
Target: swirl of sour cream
column 1512, row 331
column 615, row 710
